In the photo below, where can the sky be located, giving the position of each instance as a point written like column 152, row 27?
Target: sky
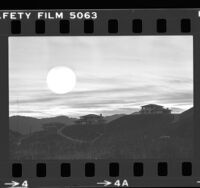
column 115, row 74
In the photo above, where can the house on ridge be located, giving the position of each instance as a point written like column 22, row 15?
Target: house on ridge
column 90, row 119
column 154, row 109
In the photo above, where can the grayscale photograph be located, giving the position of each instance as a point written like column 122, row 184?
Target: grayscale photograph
column 105, row 97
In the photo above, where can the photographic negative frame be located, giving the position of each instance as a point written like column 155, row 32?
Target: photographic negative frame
column 41, row 172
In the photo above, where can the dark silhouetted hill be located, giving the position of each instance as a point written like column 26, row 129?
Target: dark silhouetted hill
column 59, row 119
column 184, row 126
column 27, row 125
column 146, row 136
column 14, row 138
column 153, row 136
column 108, row 119
column 84, row 132
column 135, row 124
column 187, row 114
column 42, row 145
column 24, row 125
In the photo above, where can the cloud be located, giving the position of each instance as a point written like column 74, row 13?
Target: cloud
column 185, row 97
column 105, row 98
column 114, row 74
column 93, row 95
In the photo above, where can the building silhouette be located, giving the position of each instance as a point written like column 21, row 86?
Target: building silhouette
column 90, row 119
column 154, row 109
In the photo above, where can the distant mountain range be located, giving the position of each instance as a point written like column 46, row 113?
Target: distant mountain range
column 26, row 125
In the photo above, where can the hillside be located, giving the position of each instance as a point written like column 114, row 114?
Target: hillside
column 41, row 145
column 26, row 125
column 152, row 123
column 145, row 136
column 153, row 136
column 108, row 119
column 14, row 138
column 84, row 132
column 184, row 127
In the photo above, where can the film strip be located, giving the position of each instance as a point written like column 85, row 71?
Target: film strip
column 99, row 98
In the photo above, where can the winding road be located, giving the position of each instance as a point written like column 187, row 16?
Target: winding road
column 59, row 132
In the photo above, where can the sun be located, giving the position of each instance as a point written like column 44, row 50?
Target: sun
column 61, row 80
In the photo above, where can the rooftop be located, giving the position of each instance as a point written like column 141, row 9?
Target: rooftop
column 90, row 115
column 152, row 105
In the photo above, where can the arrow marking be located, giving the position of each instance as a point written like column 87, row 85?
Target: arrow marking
column 104, row 183
column 12, row 184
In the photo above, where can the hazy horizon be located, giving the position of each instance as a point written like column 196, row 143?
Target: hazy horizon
column 77, row 117
column 115, row 74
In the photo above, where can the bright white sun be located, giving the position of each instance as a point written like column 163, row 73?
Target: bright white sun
column 61, row 80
